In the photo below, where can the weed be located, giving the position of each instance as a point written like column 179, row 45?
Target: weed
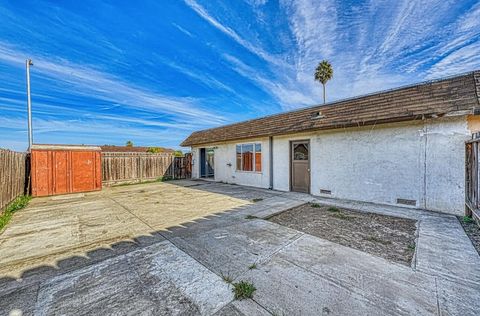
column 253, row 266
column 341, row 216
column 315, row 205
column 257, row 200
column 333, row 209
column 411, row 247
column 378, row 240
column 250, row 217
column 467, row 219
column 243, row 290
column 226, row 278
column 17, row 204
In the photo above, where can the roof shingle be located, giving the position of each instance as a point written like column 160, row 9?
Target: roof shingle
column 430, row 99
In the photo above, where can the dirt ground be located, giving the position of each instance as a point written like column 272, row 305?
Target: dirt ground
column 473, row 232
column 392, row 238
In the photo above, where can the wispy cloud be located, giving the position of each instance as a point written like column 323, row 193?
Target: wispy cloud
column 87, row 81
column 154, row 71
column 260, row 52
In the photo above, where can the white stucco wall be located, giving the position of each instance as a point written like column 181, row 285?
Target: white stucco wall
column 225, row 164
column 422, row 161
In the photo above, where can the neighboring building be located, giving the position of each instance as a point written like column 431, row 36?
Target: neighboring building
column 404, row 146
column 131, row 149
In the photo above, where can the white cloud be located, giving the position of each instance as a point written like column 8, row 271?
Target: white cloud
column 232, row 34
column 88, row 81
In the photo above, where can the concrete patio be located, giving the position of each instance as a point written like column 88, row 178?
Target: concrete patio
column 164, row 249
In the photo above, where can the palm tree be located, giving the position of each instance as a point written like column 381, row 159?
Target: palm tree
column 323, row 73
column 129, row 143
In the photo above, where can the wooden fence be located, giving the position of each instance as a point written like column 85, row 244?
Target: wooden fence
column 14, row 172
column 133, row 167
column 472, row 178
column 182, row 167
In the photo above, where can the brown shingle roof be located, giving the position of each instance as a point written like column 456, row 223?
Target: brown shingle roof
column 429, row 99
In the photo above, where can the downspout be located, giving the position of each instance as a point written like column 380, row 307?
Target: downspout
column 270, row 164
column 425, row 130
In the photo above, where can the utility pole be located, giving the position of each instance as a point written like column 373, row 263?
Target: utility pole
column 29, row 105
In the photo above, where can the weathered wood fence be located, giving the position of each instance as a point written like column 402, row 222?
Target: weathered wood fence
column 472, row 177
column 14, row 173
column 131, row 167
column 182, row 167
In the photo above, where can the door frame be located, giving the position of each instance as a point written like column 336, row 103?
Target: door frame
column 290, row 163
column 202, row 157
column 203, row 163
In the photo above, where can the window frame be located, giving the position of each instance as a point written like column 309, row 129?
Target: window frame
column 254, row 144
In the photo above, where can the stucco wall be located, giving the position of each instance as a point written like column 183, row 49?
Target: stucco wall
column 421, row 161
column 225, row 164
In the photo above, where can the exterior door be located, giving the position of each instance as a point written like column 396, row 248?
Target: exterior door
column 207, row 162
column 300, row 166
column 210, row 162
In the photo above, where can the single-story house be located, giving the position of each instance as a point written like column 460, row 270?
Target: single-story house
column 403, row 146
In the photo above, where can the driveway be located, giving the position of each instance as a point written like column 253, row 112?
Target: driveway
column 166, row 248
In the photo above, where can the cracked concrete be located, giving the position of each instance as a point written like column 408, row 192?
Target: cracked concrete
column 163, row 249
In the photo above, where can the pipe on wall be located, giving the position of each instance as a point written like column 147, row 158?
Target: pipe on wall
column 270, row 151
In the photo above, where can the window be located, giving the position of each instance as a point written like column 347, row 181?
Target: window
column 249, row 157
column 300, row 152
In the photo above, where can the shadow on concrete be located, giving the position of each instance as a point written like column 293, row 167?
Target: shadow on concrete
column 27, row 285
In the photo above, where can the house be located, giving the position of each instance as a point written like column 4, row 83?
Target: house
column 404, row 146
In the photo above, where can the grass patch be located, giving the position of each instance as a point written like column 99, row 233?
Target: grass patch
column 253, row 266
column 243, row 290
column 341, row 216
column 250, row 217
column 315, row 205
column 17, row 204
column 333, row 209
column 378, row 240
column 257, row 200
column 226, row 278
column 467, row 219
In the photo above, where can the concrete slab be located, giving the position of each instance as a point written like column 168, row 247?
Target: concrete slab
column 458, row 299
column 232, row 250
column 43, row 235
column 132, row 269
column 245, row 307
column 50, row 230
column 284, row 288
column 443, row 249
column 396, row 287
column 167, row 205
column 158, row 280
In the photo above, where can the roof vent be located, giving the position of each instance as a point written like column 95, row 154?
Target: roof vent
column 317, row 115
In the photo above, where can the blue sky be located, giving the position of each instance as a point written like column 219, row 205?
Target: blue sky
column 153, row 71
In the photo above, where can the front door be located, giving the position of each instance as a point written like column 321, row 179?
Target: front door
column 300, row 166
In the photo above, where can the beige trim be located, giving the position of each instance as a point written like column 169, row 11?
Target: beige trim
column 65, row 147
